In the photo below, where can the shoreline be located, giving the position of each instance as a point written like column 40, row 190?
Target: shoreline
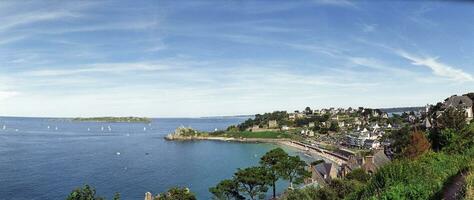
column 312, row 151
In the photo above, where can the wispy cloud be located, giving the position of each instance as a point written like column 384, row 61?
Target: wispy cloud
column 438, row 68
column 340, row 3
column 101, row 68
column 367, row 28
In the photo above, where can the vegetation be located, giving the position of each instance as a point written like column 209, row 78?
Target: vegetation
column 249, row 134
column 176, row 193
column 253, row 182
column 114, row 119
column 86, row 193
column 262, row 120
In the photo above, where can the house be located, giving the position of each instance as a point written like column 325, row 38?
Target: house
column 323, row 173
column 311, row 124
column 272, row 124
column 427, row 123
column 460, row 102
column 372, row 163
column 371, row 144
column 385, row 115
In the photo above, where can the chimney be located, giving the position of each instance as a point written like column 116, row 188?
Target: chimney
column 369, row 159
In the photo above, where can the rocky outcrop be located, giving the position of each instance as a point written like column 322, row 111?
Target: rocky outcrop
column 184, row 133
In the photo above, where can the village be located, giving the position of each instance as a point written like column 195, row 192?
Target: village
column 356, row 138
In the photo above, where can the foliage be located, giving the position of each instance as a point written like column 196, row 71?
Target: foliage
column 400, row 140
column 414, row 179
column 225, row 190
column 272, row 161
column 469, row 189
column 452, row 118
column 85, row 193
column 293, row 170
column 417, row 146
column 252, row 181
column 358, row 175
column 334, row 126
column 248, row 134
column 176, row 193
column 261, row 120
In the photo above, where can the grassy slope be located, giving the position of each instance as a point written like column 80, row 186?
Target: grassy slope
column 248, row 134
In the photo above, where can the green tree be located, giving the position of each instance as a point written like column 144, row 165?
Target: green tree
column 358, row 175
column 116, row 196
column 452, row 118
column 225, row 190
column 252, row 181
column 176, row 193
column 85, row 193
column 293, row 170
column 271, row 162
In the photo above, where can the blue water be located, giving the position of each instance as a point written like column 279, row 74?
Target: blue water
column 41, row 163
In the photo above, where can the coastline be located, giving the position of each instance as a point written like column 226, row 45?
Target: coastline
column 282, row 142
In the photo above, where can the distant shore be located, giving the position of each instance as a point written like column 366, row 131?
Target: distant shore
column 114, row 119
column 283, row 142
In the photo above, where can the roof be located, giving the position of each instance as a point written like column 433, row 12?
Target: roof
column 456, row 101
column 324, row 168
column 380, row 159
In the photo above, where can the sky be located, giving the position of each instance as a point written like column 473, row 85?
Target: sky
column 231, row 57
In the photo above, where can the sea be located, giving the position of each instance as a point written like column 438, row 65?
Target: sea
column 46, row 158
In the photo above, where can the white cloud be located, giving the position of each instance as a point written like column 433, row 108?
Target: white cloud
column 438, row 68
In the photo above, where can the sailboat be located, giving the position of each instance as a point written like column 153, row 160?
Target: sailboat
column 102, row 128
column 88, row 129
column 110, row 129
column 4, row 127
column 56, row 128
column 144, row 128
column 49, row 127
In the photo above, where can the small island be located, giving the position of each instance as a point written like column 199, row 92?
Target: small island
column 114, row 119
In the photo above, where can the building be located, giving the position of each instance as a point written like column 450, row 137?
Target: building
column 272, row 124
column 372, row 163
column 323, row 173
column 460, row 102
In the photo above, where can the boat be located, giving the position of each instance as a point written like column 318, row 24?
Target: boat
column 49, row 127
column 102, row 128
column 88, row 129
column 4, row 127
column 144, row 128
column 118, row 153
column 110, row 129
column 56, row 128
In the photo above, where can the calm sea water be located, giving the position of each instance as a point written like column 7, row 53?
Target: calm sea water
column 130, row 158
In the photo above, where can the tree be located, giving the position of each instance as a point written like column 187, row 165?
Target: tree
column 358, row 175
column 252, row 181
column 176, row 193
column 334, row 126
column 400, row 140
column 452, row 118
column 271, row 162
column 116, row 196
column 85, row 193
column 418, row 145
column 308, row 111
column 226, row 189
column 293, row 170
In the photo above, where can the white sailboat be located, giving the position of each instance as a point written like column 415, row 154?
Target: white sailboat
column 4, row 127
column 144, row 128
column 56, row 128
column 88, row 129
column 49, row 127
column 110, row 129
column 102, row 128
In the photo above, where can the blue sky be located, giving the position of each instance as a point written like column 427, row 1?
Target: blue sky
column 205, row 58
